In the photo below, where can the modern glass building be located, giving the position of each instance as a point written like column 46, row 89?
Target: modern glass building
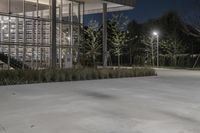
column 46, row 33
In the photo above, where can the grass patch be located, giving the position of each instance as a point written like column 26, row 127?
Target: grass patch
column 13, row 77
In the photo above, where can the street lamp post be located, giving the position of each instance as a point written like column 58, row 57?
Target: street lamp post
column 157, row 37
column 158, row 63
column 152, row 52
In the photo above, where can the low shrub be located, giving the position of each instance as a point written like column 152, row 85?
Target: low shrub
column 12, row 77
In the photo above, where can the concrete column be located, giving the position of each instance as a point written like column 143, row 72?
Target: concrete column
column 9, row 33
column 105, row 34
column 17, row 38
column 53, row 34
column 2, row 33
column 41, row 39
column 24, row 34
column 83, row 15
column 37, row 32
column 79, row 32
column 61, row 33
column 68, row 55
column 33, row 41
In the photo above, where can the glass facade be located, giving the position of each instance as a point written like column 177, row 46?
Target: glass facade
column 26, row 32
column 39, row 34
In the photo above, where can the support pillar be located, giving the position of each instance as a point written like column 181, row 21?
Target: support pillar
column 33, row 41
column 17, row 38
column 79, row 33
column 37, row 32
column 2, row 33
column 9, row 33
column 24, row 34
column 105, row 34
column 69, row 54
column 41, row 40
column 61, row 33
column 53, row 34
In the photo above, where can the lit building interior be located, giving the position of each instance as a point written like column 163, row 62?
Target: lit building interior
column 39, row 34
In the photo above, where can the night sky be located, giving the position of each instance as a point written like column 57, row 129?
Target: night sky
column 148, row 9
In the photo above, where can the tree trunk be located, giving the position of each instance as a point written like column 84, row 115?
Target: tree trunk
column 118, row 60
column 131, row 57
column 195, row 64
column 94, row 60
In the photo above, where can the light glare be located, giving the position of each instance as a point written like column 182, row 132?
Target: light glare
column 155, row 33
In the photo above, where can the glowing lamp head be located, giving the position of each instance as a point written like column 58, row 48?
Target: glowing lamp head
column 155, row 33
column 68, row 38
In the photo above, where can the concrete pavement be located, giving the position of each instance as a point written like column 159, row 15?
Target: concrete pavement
column 168, row 103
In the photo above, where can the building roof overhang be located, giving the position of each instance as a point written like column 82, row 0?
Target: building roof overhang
column 91, row 6
column 95, row 6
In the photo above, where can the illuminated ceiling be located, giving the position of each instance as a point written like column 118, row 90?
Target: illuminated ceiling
column 91, row 6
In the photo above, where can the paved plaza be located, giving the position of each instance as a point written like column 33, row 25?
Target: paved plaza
column 167, row 103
